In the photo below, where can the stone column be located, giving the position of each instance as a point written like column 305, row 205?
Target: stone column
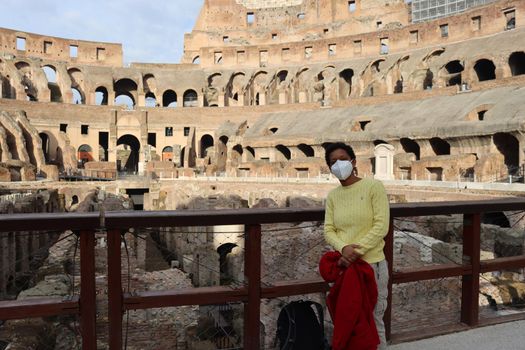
column 112, row 142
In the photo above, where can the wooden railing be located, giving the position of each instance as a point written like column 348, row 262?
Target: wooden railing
column 251, row 293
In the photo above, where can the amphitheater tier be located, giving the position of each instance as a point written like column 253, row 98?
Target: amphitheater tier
column 443, row 108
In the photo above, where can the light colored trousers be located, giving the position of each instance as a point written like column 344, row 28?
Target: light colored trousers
column 381, row 273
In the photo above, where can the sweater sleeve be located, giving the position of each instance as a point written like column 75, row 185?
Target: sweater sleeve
column 380, row 221
column 330, row 234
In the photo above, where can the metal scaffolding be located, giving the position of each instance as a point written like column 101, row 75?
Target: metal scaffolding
column 424, row 10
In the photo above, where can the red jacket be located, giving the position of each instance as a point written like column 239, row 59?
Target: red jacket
column 351, row 303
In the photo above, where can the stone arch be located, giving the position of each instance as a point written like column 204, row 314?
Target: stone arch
column 410, row 146
column 307, row 150
column 167, row 154
column 8, row 91
column 428, row 80
column 211, row 91
column 485, row 69
column 150, row 83
column 508, row 145
column 235, row 89
column 236, row 154
column 371, row 78
column 26, row 75
column 300, row 85
column 190, row 98
column 517, row 63
column 284, row 151
column 126, row 87
column 101, row 96
column 206, row 142
column 250, row 153
column 345, row 83
column 258, row 88
column 129, row 162
column 439, row 146
column 77, row 84
column 151, row 99
column 169, row 98
column 196, row 60
column 452, row 73
column 85, row 153
column 225, row 269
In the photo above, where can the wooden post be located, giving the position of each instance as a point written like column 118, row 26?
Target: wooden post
column 470, row 282
column 252, row 273
column 88, row 317
column 389, row 255
column 115, row 306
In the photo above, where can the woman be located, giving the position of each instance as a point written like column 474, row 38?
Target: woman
column 356, row 222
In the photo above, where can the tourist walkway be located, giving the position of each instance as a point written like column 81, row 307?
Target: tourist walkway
column 505, row 336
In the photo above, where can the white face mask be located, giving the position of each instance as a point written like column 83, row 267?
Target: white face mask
column 342, row 169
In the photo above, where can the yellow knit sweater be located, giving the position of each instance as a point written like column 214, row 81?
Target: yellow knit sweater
column 358, row 214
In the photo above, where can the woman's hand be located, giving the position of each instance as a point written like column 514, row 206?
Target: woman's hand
column 350, row 253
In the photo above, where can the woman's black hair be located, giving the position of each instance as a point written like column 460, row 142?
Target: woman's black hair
column 337, row 145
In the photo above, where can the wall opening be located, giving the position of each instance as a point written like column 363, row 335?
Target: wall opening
column 85, row 154
column 169, row 99
column 345, row 82
column 485, row 70
column 454, row 69
column 151, row 100
column 517, row 63
column 73, row 51
column 206, row 145
column 439, row 146
column 128, row 155
column 103, row 142
column 101, row 96
column 190, row 99
column 20, row 43
column 285, row 151
column 307, row 150
column 508, row 145
column 410, row 146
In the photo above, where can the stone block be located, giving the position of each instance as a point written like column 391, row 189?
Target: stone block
column 5, row 175
column 50, row 172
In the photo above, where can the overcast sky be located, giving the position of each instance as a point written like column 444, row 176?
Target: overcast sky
column 149, row 30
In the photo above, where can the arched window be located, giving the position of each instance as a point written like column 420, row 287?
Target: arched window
column 517, row 63
column 440, row 146
column 410, row 146
column 485, row 70
column 206, row 144
column 169, row 99
column 101, row 96
column 190, row 99
column 151, row 100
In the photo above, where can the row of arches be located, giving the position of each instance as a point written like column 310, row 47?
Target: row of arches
column 263, row 87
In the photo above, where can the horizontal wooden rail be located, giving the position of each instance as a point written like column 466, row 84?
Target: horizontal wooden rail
column 508, row 263
column 127, row 219
column 41, row 307
column 181, row 297
column 431, row 272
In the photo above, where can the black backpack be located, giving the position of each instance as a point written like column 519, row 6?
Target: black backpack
column 300, row 328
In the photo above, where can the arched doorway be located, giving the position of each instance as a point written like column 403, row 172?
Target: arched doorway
column 190, row 99
column 167, row 154
column 128, row 155
column 85, row 154
column 206, row 143
column 517, row 63
column 485, row 70
column 509, row 146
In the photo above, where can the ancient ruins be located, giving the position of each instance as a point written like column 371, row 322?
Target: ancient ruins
column 286, row 77
column 421, row 89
